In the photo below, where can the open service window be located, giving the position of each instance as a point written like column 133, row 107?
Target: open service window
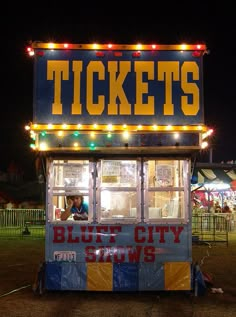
column 68, row 179
column 167, row 190
column 118, row 193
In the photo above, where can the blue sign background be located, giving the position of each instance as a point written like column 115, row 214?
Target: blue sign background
column 168, row 250
column 44, row 89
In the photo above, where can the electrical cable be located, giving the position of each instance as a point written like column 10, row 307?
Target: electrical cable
column 206, row 256
column 15, row 290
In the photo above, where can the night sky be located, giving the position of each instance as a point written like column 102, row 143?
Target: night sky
column 17, row 67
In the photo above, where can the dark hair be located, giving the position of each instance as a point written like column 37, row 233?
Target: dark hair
column 73, row 197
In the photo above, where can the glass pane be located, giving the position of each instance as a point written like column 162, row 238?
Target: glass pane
column 168, row 204
column 71, row 173
column 165, row 173
column 118, row 173
column 118, row 204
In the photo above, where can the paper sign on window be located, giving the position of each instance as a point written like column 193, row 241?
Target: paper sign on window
column 164, row 175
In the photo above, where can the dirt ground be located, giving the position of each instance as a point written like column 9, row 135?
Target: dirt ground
column 19, row 264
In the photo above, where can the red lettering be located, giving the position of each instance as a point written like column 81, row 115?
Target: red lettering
column 119, row 255
column 59, row 234
column 101, row 254
column 100, row 232
column 136, row 234
column 150, row 235
column 70, row 238
column 104, row 254
column 149, row 254
column 90, row 254
column 176, row 233
column 162, row 231
column 134, row 253
column 83, row 236
column 114, row 230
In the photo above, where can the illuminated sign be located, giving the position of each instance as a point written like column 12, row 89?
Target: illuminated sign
column 90, row 86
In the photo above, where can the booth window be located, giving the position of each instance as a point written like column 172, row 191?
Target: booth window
column 118, row 191
column 166, row 194
column 68, row 178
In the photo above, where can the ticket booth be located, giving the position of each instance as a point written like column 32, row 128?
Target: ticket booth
column 119, row 125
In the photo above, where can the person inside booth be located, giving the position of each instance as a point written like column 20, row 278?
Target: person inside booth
column 76, row 208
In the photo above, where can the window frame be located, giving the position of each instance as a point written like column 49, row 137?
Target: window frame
column 185, row 189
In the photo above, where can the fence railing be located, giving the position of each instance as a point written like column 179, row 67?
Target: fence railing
column 22, row 223
column 209, row 227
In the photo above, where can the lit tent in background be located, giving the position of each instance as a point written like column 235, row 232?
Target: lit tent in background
column 205, row 173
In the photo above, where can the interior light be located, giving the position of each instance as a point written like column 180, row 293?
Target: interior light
column 92, row 146
column 33, row 146
column 210, row 131
column 139, row 46
column 204, row 145
column 109, row 127
column 125, row 134
column 32, row 135
column 92, row 134
column 51, row 45
column 43, row 146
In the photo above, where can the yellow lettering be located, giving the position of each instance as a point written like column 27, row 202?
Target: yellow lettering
column 141, row 108
column 57, row 70
column 116, row 89
column 190, row 109
column 94, row 108
column 168, row 72
column 77, row 69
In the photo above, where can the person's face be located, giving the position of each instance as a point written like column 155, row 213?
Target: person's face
column 77, row 200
